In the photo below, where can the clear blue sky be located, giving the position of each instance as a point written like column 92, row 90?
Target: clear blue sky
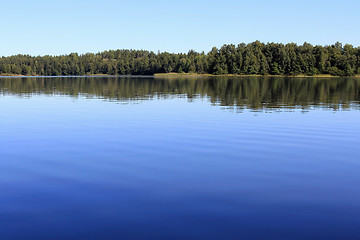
column 40, row 27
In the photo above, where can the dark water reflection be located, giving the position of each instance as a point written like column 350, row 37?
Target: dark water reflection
column 77, row 164
column 247, row 92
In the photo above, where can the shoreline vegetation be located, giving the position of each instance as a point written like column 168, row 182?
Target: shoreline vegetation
column 179, row 75
column 184, row 75
column 253, row 59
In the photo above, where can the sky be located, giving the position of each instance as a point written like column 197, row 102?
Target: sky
column 39, row 27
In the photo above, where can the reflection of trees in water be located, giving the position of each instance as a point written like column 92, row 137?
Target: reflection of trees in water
column 247, row 92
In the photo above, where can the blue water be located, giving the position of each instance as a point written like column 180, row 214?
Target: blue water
column 78, row 163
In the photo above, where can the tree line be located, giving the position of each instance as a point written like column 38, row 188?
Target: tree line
column 255, row 58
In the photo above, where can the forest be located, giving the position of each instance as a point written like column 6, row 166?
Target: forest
column 255, row 58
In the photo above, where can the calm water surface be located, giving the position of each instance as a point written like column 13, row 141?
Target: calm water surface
column 207, row 158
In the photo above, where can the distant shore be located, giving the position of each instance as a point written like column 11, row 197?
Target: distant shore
column 171, row 75
column 182, row 75
column 86, row 75
column 11, row 75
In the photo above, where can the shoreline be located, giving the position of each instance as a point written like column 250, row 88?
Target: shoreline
column 181, row 75
column 173, row 75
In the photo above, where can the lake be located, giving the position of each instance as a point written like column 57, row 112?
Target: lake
column 200, row 158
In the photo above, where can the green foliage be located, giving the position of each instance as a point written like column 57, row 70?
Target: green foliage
column 252, row 58
column 334, row 71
